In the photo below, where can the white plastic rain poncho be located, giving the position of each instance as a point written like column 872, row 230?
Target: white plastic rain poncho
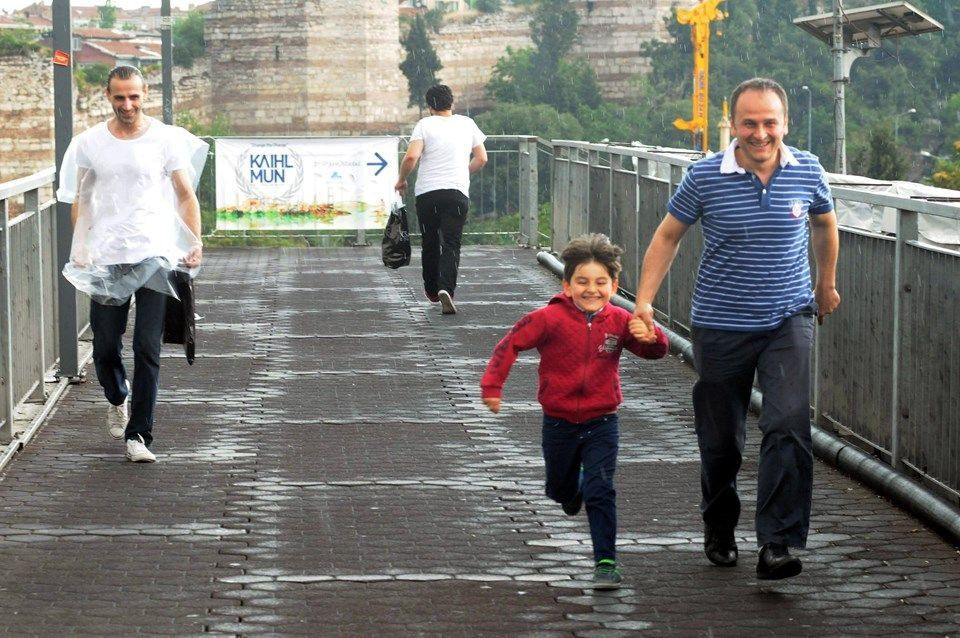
column 129, row 233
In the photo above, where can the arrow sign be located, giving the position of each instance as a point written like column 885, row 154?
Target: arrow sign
column 382, row 163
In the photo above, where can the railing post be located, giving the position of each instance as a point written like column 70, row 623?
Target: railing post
column 6, row 334
column 63, row 106
column 529, row 214
column 31, row 202
column 907, row 230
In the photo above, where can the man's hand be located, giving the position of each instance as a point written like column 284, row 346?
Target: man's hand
column 827, row 299
column 401, row 186
column 641, row 326
column 194, row 257
column 493, row 403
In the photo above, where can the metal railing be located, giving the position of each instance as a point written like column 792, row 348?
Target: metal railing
column 886, row 369
column 29, row 317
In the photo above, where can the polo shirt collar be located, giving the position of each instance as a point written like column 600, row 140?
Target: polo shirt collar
column 729, row 163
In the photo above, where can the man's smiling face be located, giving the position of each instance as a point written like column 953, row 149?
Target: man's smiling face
column 759, row 123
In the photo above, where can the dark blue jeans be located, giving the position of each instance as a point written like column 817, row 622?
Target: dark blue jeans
column 109, row 323
column 726, row 362
column 593, row 444
column 441, row 214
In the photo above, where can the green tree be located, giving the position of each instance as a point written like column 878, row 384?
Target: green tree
column 553, row 30
column 947, row 172
column 421, row 64
column 188, row 39
column 108, row 15
column 880, row 159
column 17, row 42
column 91, row 75
column 541, row 75
column 488, row 6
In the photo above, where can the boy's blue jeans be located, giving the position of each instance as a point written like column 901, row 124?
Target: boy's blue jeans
column 592, row 444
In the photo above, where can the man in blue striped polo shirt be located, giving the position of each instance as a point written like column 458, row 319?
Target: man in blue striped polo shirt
column 753, row 311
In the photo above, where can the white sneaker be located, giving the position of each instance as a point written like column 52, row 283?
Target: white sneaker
column 446, row 303
column 137, row 451
column 117, row 416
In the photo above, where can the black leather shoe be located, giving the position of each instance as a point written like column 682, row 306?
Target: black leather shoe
column 776, row 562
column 720, row 547
column 572, row 507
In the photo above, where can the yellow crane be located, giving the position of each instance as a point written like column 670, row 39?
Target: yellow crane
column 699, row 19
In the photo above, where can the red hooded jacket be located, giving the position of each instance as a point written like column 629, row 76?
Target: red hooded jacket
column 579, row 361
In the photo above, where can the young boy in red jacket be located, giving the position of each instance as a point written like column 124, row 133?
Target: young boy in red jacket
column 580, row 335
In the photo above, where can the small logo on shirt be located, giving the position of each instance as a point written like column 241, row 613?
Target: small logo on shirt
column 796, row 209
column 610, row 343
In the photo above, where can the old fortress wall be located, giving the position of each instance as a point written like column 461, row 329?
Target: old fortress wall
column 323, row 67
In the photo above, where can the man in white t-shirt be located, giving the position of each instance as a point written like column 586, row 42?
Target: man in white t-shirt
column 443, row 143
column 132, row 205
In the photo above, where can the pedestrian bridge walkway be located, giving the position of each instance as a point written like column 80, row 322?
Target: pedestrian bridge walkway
column 326, row 468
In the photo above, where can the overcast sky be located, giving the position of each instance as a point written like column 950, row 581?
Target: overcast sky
column 124, row 4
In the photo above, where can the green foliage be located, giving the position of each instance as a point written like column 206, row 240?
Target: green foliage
column 488, row 6
column 15, row 42
column 93, row 75
column 108, row 15
column 759, row 39
column 880, row 159
column 421, row 64
column 541, row 75
column 219, row 126
column 947, row 171
column 529, row 119
column 434, row 18
column 188, row 40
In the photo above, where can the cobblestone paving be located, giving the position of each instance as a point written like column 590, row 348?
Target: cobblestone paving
column 326, row 468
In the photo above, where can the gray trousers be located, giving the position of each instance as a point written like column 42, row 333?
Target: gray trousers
column 726, row 362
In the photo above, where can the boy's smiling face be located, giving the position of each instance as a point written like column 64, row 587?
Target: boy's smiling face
column 590, row 287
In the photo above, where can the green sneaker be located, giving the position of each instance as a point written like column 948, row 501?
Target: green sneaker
column 607, row 575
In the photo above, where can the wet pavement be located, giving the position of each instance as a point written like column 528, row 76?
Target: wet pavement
column 326, row 468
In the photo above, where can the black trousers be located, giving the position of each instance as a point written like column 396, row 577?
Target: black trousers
column 726, row 362
column 441, row 215
column 583, row 456
column 109, row 323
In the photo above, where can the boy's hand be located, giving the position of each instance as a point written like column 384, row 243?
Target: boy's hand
column 641, row 326
column 640, row 331
column 493, row 403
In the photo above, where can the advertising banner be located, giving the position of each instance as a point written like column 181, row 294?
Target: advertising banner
column 305, row 183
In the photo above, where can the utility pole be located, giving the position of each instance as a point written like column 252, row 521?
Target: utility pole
column 63, row 133
column 166, row 53
column 840, row 80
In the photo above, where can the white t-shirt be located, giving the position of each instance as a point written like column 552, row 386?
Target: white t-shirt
column 125, row 193
column 447, row 142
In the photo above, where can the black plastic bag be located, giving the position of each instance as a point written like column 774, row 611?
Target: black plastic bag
column 179, row 322
column 395, row 248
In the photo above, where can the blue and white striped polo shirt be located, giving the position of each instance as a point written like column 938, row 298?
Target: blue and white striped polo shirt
column 754, row 271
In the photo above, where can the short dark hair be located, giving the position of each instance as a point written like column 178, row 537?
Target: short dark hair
column 124, row 72
column 440, row 97
column 594, row 247
column 757, row 84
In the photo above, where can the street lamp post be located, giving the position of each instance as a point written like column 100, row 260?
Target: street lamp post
column 809, row 116
column 896, row 124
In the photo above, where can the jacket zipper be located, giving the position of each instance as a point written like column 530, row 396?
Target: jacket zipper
column 583, row 379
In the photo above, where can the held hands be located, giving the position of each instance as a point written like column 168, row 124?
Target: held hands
column 641, row 326
column 827, row 299
column 493, row 403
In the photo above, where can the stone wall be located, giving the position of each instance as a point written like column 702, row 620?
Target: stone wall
column 26, row 109
column 610, row 38
column 323, row 67
column 307, row 67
